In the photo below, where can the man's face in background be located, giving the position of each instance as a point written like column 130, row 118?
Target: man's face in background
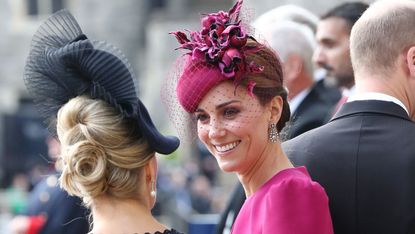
column 332, row 52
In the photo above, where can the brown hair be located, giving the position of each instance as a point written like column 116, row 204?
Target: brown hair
column 269, row 82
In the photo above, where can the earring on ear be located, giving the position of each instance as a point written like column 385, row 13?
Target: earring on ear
column 273, row 133
column 153, row 192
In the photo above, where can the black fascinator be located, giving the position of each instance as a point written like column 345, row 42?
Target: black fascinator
column 63, row 63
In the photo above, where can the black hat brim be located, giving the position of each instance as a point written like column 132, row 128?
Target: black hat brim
column 160, row 143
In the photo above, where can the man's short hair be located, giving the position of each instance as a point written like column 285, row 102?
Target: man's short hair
column 288, row 12
column 288, row 38
column 289, row 29
column 381, row 35
column 350, row 12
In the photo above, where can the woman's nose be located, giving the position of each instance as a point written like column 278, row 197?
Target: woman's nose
column 216, row 129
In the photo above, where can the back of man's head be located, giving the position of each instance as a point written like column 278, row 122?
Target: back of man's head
column 350, row 12
column 383, row 32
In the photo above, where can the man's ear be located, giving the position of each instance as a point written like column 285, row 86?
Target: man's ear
column 410, row 60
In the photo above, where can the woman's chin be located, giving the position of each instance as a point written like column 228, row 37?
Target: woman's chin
column 227, row 168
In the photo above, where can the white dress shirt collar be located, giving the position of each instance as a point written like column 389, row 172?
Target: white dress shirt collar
column 377, row 96
column 349, row 92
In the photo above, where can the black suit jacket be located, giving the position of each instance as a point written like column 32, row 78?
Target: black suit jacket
column 365, row 159
column 314, row 111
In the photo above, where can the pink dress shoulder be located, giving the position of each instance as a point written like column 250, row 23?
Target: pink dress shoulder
column 289, row 203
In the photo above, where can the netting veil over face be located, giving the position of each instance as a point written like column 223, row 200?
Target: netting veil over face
column 223, row 52
column 63, row 63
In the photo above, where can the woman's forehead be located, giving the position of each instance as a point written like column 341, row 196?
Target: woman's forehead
column 225, row 92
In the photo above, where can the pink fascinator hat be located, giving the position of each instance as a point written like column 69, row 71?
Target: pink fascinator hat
column 223, row 50
column 216, row 53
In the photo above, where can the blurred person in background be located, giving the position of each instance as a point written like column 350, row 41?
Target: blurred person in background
column 309, row 101
column 270, row 19
column 201, row 194
column 50, row 209
column 332, row 53
column 177, row 204
column 86, row 93
column 17, row 193
column 232, row 86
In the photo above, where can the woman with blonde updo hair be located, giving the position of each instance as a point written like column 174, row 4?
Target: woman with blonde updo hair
column 85, row 91
column 102, row 153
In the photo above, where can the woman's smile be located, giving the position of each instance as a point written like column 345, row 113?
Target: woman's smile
column 224, row 148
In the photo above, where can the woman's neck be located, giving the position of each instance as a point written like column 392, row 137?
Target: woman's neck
column 123, row 216
column 269, row 163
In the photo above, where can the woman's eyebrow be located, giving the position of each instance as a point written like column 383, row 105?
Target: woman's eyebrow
column 226, row 103
column 218, row 106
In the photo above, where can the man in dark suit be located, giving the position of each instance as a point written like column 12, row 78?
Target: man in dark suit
column 313, row 111
column 332, row 53
column 365, row 156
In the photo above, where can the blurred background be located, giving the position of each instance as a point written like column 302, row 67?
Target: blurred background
column 192, row 190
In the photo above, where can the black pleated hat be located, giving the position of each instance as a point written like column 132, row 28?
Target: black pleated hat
column 63, row 63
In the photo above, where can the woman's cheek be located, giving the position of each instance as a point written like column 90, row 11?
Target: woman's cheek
column 202, row 133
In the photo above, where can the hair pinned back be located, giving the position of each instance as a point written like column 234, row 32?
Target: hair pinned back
column 102, row 152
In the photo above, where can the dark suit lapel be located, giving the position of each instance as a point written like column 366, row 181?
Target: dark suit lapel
column 308, row 100
column 371, row 106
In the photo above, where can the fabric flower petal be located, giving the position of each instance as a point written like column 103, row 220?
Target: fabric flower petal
column 250, row 87
column 180, row 36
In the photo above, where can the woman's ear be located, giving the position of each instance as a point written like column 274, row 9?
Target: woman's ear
column 151, row 179
column 410, row 60
column 151, row 170
column 276, row 105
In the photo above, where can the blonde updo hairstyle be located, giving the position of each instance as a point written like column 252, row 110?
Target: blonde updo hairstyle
column 102, row 152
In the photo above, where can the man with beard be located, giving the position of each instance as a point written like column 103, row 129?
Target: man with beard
column 332, row 53
column 365, row 156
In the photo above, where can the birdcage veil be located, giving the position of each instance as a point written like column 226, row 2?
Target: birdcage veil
column 223, row 51
column 64, row 63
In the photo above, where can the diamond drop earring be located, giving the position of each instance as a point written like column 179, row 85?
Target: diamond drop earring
column 273, row 133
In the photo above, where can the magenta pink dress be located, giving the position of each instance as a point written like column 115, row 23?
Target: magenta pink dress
column 289, row 203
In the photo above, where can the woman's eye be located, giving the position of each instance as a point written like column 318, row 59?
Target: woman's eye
column 230, row 112
column 201, row 117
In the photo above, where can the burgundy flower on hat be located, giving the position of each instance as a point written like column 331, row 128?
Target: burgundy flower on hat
column 217, row 52
column 221, row 42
